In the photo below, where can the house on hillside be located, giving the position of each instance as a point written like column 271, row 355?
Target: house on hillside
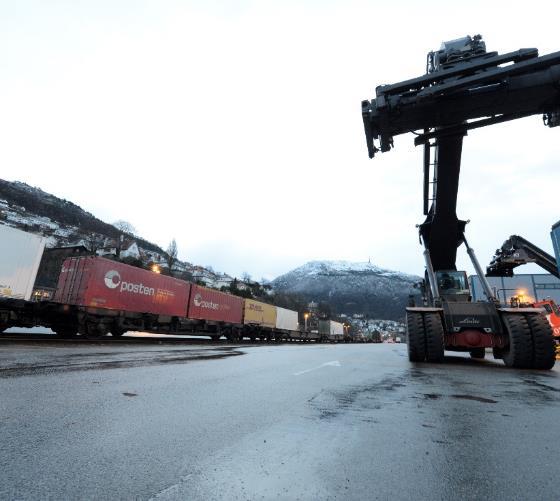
column 179, row 267
column 107, row 251
column 150, row 256
column 204, row 275
column 130, row 249
column 222, row 280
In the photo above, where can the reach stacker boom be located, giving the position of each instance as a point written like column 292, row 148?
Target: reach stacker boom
column 464, row 88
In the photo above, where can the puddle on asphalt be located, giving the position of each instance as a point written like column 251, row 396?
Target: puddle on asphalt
column 432, row 396
column 391, row 391
column 167, row 358
column 475, row 398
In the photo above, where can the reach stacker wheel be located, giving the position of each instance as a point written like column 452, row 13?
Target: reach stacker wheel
column 544, row 355
column 416, row 338
column 519, row 353
column 433, row 327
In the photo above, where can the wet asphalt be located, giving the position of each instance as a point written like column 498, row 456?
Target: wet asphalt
column 271, row 422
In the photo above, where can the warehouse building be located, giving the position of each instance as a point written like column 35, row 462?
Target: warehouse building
column 533, row 287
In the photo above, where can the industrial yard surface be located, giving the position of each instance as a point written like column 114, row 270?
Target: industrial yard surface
column 142, row 420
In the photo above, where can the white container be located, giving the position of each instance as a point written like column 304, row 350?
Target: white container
column 20, row 255
column 286, row 319
column 336, row 329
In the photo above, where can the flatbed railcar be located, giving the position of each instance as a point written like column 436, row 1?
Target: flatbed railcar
column 97, row 296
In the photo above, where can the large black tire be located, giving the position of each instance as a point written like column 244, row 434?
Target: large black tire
column 544, row 349
column 519, row 353
column 435, row 346
column 478, row 353
column 416, row 337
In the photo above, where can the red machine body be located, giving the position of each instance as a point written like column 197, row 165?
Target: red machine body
column 552, row 315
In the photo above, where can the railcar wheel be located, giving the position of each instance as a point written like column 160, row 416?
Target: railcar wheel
column 117, row 331
column 433, row 326
column 95, row 330
column 519, row 353
column 65, row 331
column 416, row 338
column 544, row 350
column 215, row 339
column 478, row 353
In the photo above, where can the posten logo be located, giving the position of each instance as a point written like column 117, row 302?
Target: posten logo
column 112, row 279
column 200, row 303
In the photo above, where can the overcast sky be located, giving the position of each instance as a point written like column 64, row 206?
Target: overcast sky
column 235, row 126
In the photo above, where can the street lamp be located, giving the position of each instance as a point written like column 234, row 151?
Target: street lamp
column 305, row 316
column 155, row 268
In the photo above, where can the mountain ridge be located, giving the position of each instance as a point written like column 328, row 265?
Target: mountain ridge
column 360, row 288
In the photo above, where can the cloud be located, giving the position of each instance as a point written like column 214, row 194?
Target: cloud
column 236, row 125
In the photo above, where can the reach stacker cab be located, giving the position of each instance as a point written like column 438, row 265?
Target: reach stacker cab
column 464, row 88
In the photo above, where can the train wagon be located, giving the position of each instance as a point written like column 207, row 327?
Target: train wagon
column 259, row 319
column 218, row 313
column 116, row 297
column 287, row 325
column 330, row 330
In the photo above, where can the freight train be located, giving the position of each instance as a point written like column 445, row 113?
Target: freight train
column 96, row 296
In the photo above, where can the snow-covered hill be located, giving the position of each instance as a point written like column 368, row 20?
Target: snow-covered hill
column 361, row 288
column 64, row 223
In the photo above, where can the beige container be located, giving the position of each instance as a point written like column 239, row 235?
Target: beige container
column 257, row 313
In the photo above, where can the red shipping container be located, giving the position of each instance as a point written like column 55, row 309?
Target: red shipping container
column 102, row 283
column 209, row 304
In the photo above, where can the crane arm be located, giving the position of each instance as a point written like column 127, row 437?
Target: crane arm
column 516, row 251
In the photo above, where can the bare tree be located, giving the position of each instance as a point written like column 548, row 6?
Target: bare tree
column 94, row 242
column 124, row 227
column 171, row 256
column 246, row 277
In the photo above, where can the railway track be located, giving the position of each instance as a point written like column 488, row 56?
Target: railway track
column 124, row 340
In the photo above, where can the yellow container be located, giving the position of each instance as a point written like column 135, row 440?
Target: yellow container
column 257, row 313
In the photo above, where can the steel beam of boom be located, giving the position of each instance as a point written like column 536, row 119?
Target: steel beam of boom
column 464, row 88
